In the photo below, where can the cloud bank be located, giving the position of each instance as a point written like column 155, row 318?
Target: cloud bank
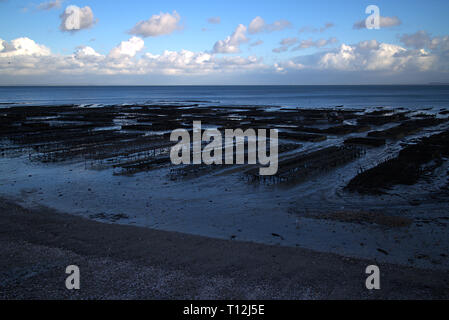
column 421, row 56
column 23, row 56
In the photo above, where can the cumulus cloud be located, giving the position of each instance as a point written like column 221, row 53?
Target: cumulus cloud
column 232, row 43
column 375, row 56
column 75, row 18
column 86, row 53
column 370, row 59
column 420, row 39
column 56, row 4
column 199, row 63
column 127, row 49
column 214, row 20
column 363, row 60
column 423, row 40
column 25, row 57
column 22, row 47
column 157, row 25
column 258, row 25
column 385, row 22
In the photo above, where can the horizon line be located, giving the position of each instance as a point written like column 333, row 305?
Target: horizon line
column 220, row 85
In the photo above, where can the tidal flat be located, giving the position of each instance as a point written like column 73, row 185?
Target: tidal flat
column 368, row 183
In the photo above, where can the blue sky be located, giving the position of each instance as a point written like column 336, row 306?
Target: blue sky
column 113, row 20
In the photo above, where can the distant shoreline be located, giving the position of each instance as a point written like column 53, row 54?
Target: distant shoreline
column 230, row 85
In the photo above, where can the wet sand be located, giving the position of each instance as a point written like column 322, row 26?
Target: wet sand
column 127, row 262
column 111, row 164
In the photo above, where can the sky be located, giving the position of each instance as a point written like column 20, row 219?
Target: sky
column 178, row 42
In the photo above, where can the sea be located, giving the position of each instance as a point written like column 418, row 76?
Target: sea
column 324, row 96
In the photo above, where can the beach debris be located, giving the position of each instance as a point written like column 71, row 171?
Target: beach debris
column 109, row 217
column 278, row 236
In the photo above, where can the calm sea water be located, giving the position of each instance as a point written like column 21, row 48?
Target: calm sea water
column 291, row 96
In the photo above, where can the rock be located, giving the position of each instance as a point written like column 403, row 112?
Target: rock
column 277, row 236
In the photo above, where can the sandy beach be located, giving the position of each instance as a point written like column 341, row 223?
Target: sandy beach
column 126, row 262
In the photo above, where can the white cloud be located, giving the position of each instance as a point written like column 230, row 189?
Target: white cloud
column 232, row 43
column 327, row 26
column 322, row 29
column 257, row 43
column 186, row 62
column 178, row 63
column 423, row 40
column 214, row 20
column 87, row 53
column 288, row 41
column 281, row 49
column 305, row 44
column 420, row 39
column 55, row 4
column 24, row 57
column 285, row 43
column 75, row 18
column 157, row 25
column 34, row 59
column 371, row 58
column 375, row 56
column 385, row 22
column 22, row 47
column 258, row 25
column 288, row 65
column 127, row 49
